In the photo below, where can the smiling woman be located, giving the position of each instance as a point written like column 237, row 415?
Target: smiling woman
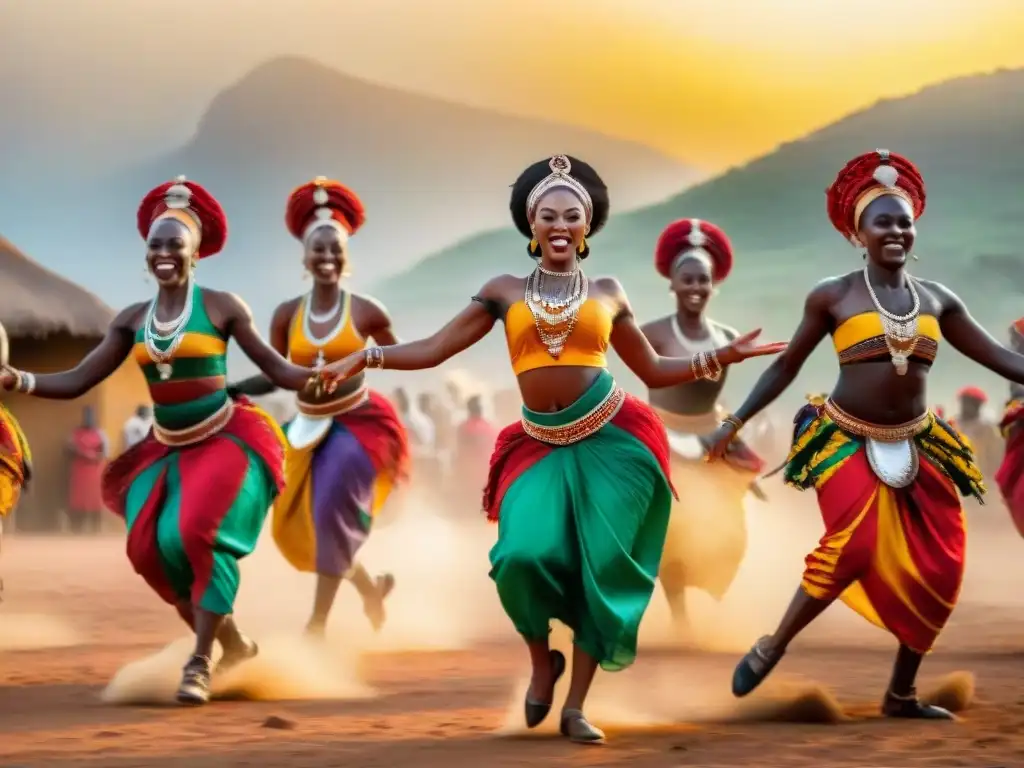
column 579, row 486
column 195, row 492
column 888, row 472
column 348, row 448
column 707, row 534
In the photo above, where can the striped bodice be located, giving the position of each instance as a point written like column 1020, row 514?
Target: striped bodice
column 197, row 385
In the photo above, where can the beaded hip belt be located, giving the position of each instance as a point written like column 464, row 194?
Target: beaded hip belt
column 882, row 433
column 334, row 407
column 208, row 427
column 581, row 428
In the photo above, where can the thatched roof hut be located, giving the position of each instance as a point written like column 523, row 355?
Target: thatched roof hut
column 36, row 302
column 52, row 324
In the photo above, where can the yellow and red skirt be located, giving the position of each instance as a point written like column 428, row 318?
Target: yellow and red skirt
column 15, row 461
column 895, row 537
column 1010, row 476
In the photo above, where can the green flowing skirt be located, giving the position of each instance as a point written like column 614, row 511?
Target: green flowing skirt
column 582, row 526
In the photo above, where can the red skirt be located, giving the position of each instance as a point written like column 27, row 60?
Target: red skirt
column 1010, row 477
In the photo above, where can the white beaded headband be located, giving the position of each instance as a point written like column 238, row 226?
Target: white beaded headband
column 559, row 177
column 696, row 241
column 178, row 200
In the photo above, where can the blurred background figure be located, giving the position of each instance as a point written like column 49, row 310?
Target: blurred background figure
column 137, row 426
column 474, row 443
column 88, row 451
column 981, row 429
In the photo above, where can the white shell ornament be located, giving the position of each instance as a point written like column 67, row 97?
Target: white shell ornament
column 886, row 175
column 696, row 238
column 178, row 196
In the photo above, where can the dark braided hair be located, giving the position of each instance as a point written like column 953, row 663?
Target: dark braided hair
column 536, row 173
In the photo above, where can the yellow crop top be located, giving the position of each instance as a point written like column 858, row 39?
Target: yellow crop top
column 341, row 342
column 861, row 339
column 586, row 345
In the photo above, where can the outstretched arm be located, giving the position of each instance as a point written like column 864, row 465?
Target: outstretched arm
column 239, row 325
column 459, row 334
column 1017, row 345
column 463, row 331
column 258, row 385
column 656, row 371
column 814, row 326
column 974, row 342
column 100, row 363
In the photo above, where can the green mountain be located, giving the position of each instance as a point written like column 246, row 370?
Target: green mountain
column 965, row 136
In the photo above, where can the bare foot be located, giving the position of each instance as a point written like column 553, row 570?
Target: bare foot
column 373, row 604
column 237, row 654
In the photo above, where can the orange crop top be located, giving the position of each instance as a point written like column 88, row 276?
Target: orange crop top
column 303, row 349
column 861, row 339
column 586, row 345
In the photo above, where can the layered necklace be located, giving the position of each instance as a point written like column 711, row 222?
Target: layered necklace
column 554, row 299
column 309, row 317
column 900, row 330
column 167, row 332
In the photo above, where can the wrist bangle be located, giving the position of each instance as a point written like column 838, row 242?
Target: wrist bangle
column 26, row 382
column 374, row 357
column 736, row 422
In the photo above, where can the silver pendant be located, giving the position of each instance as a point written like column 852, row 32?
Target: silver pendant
column 165, row 370
column 900, row 362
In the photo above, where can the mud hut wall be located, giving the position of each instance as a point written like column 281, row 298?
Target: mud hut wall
column 48, row 423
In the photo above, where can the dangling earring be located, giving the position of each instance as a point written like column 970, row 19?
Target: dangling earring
column 914, row 256
column 583, row 244
column 147, row 276
column 534, row 245
column 305, row 274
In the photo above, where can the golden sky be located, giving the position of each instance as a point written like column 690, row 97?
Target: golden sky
column 712, row 81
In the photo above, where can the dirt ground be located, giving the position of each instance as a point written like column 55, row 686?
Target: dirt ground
column 74, row 614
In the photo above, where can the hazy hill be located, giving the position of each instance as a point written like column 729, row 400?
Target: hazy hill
column 964, row 134
column 429, row 171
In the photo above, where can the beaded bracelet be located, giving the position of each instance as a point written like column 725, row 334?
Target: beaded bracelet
column 736, row 421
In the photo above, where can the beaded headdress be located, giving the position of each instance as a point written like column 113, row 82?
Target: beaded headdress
column 693, row 238
column 559, row 177
column 192, row 205
column 865, row 179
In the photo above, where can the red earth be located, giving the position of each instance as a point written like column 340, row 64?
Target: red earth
column 74, row 614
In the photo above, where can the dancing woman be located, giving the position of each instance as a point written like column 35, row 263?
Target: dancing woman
column 707, row 532
column 196, row 491
column 15, row 456
column 346, row 450
column 886, row 469
column 580, row 486
column 1010, row 476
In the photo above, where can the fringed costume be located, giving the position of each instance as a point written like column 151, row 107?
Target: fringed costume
column 196, row 491
column 345, row 453
column 895, row 539
column 15, row 462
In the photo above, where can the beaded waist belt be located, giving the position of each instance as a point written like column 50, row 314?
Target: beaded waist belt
column 882, row 433
column 581, row 428
column 208, row 427
column 335, row 407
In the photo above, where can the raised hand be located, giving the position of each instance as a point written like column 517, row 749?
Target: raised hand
column 744, row 347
